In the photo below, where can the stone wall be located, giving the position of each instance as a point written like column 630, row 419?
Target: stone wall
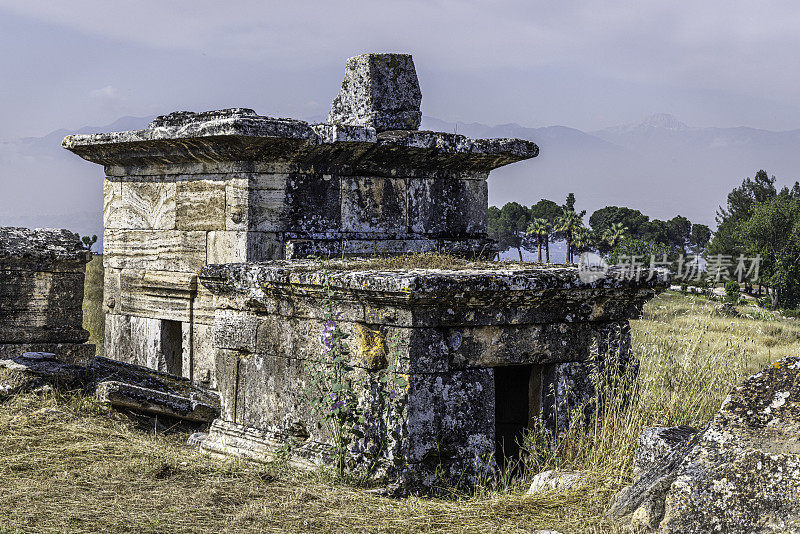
column 41, row 294
column 485, row 350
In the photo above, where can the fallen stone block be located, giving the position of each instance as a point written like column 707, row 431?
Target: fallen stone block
column 140, row 399
column 740, row 474
column 33, row 370
column 138, row 388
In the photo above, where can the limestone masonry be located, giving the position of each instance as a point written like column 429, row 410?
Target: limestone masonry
column 485, row 352
column 41, row 294
column 217, row 192
column 232, row 186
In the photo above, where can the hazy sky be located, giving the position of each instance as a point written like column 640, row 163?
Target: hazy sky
column 582, row 64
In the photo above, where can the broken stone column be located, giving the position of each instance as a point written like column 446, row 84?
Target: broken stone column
column 234, row 186
column 486, row 350
column 41, row 294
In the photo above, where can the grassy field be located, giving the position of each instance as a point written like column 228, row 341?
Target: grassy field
column 70, row 465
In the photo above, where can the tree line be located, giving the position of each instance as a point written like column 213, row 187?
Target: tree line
column 612, row 231
column 759, row 220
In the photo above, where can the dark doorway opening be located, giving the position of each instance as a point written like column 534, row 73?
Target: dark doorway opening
column 172, row 346
column 516, row 406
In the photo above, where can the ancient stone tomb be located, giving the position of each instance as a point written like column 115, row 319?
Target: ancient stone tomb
column 41, row 294
column 485, row 350
column 218, row 192
column 232, row 186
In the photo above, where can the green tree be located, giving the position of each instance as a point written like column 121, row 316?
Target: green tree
column 86, row 241
column 699, row 237
column 679, row 231
column 582, row 239
column 507, row 226
column 637, row 247
column 567, row 223
column 773, row 232
column 540, row 229
column 614, row 234
column 602, row 220
column 740, row 205
column 549, row 211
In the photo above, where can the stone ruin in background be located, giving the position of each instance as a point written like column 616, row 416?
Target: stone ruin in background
column 42, row 339
column 41, row 294
column 209, row 218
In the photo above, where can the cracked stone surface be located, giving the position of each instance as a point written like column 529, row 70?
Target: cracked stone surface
column 380, row 91
column 740, row 474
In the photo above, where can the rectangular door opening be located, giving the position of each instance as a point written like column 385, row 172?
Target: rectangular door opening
column 516, row 406
column 172, row 347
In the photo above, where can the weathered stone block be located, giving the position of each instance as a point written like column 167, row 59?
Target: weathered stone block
column 372, row 204
column 379, row 91
column 233, row 247
column 199, row 354
column 150, row 391
column 117, row 339
column 313, row 202
column 159, row 250
column 257, row 202
column 656, row 443
column 72, row 353
column 112, row 203
column 162, row 294
column 447, row 207
column 200, row 204
column 146, row 205
column 41, row 295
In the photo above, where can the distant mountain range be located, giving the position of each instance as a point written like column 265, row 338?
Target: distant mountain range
column 660, row 166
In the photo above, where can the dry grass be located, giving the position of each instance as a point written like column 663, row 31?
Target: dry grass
column 79, row 468
column 421, row 260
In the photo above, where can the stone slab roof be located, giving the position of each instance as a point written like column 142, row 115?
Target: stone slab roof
column 532, row 293
column 241, row 135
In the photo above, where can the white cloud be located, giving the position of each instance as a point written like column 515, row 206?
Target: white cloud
column 108, row 93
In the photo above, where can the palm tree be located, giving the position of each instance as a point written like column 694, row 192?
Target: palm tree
column 541, row 229
column 614, row 234
column 582, row 238
column 567, row 222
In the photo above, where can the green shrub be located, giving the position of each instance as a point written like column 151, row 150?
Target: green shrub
column 732, row 291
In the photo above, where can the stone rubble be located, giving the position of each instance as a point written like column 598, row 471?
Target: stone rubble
column 555, row 480
column 121, row 385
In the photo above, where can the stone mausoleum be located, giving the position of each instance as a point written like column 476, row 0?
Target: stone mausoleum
column 210, row 219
